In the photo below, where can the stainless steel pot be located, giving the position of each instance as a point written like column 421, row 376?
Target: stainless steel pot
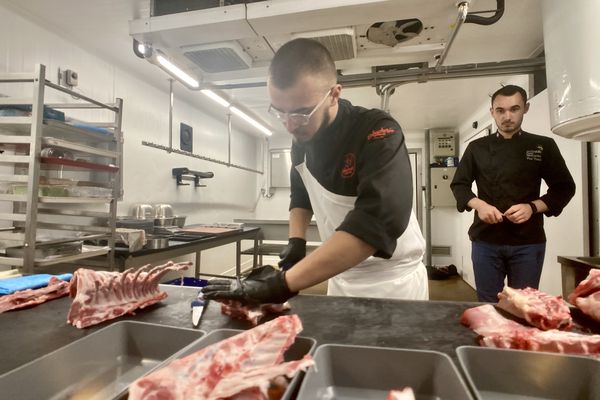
column 163, row 211
column 157, row 242
column 179, row 221
column 142, row 211
column 163, row 221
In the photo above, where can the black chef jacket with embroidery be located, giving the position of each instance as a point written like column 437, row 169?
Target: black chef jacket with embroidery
column 361, row 153
column 509, row 172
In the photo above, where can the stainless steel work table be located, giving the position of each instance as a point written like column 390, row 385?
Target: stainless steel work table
column 125, row 259
column 31, row 333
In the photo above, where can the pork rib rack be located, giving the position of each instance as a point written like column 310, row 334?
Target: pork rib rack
column 30, row 297
column 538, row 308
column 500, row 332
column 101, row 295
column 586, row 295
column 240, row 367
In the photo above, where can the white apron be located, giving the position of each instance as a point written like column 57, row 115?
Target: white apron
column 403, row 276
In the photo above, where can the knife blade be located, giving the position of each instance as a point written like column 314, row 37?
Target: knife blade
column 197, row 309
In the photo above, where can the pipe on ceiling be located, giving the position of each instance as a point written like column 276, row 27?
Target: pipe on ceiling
column 386, row 86
column 463, row 8
column 476, row 19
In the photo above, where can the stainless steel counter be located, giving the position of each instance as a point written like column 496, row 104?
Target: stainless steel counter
column 278, row 229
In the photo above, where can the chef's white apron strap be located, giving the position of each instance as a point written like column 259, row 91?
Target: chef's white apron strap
column 403, row 276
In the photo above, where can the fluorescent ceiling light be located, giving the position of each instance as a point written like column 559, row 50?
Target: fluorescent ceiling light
column 215, row 97
column 175, row 70
column 250, row 120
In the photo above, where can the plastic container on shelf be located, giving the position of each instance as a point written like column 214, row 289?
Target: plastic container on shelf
column 43, row 190
column 89, row 191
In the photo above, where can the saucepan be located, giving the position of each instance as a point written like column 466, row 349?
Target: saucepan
column 142, row 211
column 179, row 221
column 163, row 211
column 163, row 221
column 157, row 241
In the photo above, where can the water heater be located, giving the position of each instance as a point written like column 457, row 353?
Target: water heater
column 571, row 33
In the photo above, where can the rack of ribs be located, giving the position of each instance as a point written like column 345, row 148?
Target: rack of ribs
column 102, row 295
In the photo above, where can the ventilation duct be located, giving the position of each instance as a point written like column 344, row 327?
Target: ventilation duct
column 218, row 57
column 571, row 30
column 341, row 42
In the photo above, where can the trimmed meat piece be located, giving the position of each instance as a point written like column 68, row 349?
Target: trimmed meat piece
column 253, row 314
column 497, row 331
column 101, row 295
column 31, row 297
column 586, row 295
column 241, row 366
column 538, row 308
column 404, row 394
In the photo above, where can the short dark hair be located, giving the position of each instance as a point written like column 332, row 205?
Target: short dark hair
column 298, row 57
column 510, row 90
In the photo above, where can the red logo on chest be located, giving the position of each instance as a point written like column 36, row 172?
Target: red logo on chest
column 349, row 167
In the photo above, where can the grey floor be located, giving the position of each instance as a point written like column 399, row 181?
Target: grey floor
column 451, row 289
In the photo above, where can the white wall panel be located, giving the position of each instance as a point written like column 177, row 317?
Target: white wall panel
column 147, row 171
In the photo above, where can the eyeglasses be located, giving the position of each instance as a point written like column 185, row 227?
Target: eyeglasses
column 297, row 118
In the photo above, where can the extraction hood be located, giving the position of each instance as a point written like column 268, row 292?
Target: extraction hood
column 235, row 43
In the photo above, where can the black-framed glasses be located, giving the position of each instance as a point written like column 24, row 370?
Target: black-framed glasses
column 297, row 118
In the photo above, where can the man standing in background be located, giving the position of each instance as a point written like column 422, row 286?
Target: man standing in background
column 507, row 234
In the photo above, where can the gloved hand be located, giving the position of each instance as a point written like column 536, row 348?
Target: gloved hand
column 293, row 252
column 262, row 286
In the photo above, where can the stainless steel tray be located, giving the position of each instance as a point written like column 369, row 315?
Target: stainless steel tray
column 345, row 372
column 505, row 374
column 48, row 250
column 301, row 347
column 99, row 366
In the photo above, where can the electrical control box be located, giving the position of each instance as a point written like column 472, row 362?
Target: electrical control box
column 444, row 144
column 441, row 194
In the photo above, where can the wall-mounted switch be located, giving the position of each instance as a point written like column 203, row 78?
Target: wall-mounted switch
column 67, row 77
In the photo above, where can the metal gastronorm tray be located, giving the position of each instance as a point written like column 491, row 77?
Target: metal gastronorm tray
column 507, row 374
column 301, row 347
column 344, row 372
column 98, row 366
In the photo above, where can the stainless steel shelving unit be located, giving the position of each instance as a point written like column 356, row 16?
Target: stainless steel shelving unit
column 97, row 157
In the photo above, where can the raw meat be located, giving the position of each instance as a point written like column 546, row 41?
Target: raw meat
column 404, row 394
column 101, row 295
column 538, row 308
column 30, row 297
column 242, row 366
column 253, row 314
column 497, row 331
column 586, row 295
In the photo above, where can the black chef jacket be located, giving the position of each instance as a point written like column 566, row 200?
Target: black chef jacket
column 361, row 153
column 509, row 172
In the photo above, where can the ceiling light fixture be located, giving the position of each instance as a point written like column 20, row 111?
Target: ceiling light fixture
column 178, row 72
column 215, row 97
column 250, row 120
column 194, row 84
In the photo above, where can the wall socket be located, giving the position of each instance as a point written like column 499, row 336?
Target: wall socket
column 67, row 77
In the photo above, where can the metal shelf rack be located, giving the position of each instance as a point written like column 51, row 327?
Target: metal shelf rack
column 95, row 156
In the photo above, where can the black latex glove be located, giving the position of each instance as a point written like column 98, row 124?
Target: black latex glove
column 262, row 286
column 293, row 252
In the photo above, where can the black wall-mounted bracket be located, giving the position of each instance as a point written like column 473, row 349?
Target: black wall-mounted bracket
column 183, row 173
